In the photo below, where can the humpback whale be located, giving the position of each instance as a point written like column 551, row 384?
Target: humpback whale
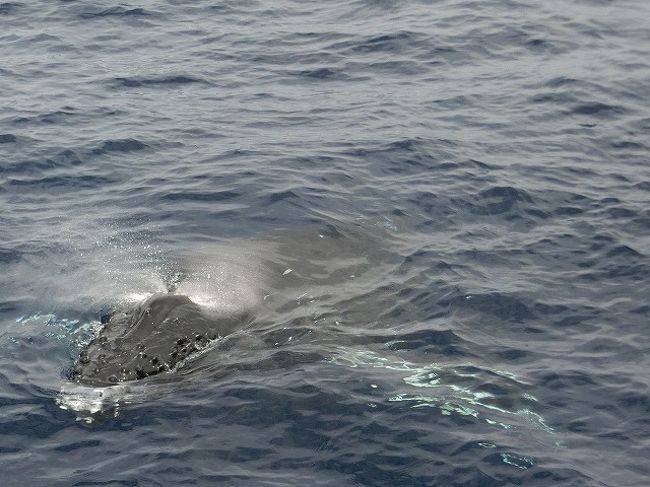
column 218, row 290
column 152, row 337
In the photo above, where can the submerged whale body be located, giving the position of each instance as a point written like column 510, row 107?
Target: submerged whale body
column 151, row 338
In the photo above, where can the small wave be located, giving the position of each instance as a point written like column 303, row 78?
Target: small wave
column 116, row 12
column 49, row 118
column 425, row 341
column 282, row 195
column 9, row 8
column 322, row 74
column 121, row 145
column 597, row 109
column 135, row 82
column 503, row 306
column 8, row 139
column 391, row 43
column 498, row 200
column 65, row 158
column 201, row 196
column 643, row 185
column 78, row 182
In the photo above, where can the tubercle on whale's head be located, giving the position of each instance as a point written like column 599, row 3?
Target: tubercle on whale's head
column 149, row 339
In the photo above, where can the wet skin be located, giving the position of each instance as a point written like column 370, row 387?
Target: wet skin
column 150, row 339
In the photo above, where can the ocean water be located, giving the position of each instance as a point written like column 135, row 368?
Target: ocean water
column 436, row 212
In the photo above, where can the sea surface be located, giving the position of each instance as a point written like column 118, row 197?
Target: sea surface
column 437, row 214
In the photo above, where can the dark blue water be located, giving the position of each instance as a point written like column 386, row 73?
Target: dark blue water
column 437, row 212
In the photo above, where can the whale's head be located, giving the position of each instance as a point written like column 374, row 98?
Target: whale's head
column 148, row 339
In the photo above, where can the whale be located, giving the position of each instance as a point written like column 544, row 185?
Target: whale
column 161, row 323
column 150, row 338
column 146, row 329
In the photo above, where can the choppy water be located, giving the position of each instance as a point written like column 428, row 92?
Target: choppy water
column 449, row 200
